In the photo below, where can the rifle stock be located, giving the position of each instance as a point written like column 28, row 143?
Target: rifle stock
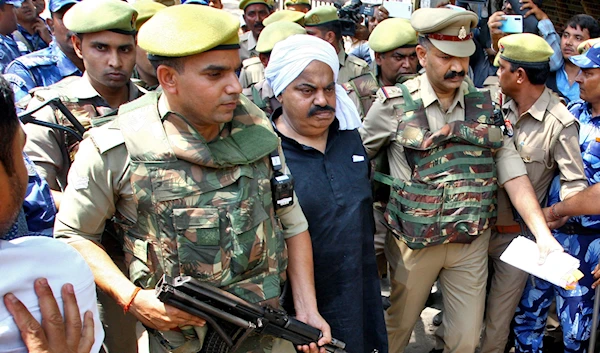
column 216, row 306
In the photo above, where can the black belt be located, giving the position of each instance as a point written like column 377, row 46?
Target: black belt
column 578, row 229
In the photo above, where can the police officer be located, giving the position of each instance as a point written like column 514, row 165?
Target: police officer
column 144, row 74
column 324, row 23
column 580, row 236
column 255, row 12
column 106, row 45
column 104, row 37
column 393, row 41
column 185, row 174
column 31, row 29
column 261, row 93
column 253, row 69
column 546, row 137
column 298, row 5
column 446, row 158
column 50, row 65
column 10, row 49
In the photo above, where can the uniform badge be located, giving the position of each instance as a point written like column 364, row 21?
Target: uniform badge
column 462, row 33
column 509, row 128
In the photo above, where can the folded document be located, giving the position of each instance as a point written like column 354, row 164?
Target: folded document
column 560, row 268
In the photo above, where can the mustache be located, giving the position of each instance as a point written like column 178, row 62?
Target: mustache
column 453, row 74
column 318, row 109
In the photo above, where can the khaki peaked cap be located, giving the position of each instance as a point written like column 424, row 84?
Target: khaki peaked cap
column 448, row 30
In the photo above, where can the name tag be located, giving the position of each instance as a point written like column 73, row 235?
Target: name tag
column 356, row 158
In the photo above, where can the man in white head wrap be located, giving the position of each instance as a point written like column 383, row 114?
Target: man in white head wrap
column 317, row 124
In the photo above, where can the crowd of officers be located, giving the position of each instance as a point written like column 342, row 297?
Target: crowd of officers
column 419, row 150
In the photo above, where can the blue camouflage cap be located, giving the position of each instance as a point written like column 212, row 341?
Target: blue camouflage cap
column 15, row 3
column 56, row 5
column 589, row 60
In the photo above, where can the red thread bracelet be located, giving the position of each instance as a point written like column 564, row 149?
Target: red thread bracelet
column 128, row 305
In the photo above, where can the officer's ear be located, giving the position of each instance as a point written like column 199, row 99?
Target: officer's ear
column 77, row 40
column 264, row 58
column 167, row 77
column 521, row 75
column 422, row 55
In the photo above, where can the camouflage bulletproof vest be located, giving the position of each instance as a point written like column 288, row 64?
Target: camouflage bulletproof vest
column 206, row 211
column 366, row 87
column 451, row 197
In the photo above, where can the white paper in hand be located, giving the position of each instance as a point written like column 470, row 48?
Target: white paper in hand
column 524, row 254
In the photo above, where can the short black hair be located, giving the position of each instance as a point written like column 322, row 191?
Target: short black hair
column 9, row 126
column 537, row 74
column 424, row 41
column 585, row 22
column 175, row 63
column 332, row 26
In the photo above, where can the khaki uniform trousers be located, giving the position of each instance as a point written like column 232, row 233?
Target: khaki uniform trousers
column 507, row 284
column 462, row 271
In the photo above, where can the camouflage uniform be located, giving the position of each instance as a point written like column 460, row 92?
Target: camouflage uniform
column 263, row 96
column 461, row 267
column 184, row 206
column 52, row 150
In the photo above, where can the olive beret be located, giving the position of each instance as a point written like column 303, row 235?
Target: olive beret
column 246, row 3
column 524, row 49
column 146, row 9
column 392, row 33
column 448, row 30
column 285, row 15
column 297, row 2
column 275, row 33
column 89, row 16
column 321, row 15
column 184, row 30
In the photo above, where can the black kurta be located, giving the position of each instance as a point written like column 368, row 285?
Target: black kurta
column 335, row 194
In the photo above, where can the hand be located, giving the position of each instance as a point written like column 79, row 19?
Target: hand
column 40, row 28
column 533, row 10
column 381, row 14
column 155, row 314
column 547, row 244
column 552, row 221
column 596, row 273
column 316, row 320
column 53, row 335
column 495, row 21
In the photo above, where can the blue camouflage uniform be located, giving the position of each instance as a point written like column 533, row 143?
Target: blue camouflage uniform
column 34, row 41
column 9, row 50
column 580, row 237
column 39, row 69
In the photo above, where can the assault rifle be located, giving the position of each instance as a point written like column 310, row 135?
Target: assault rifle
column 231, row 319
column 56, row 103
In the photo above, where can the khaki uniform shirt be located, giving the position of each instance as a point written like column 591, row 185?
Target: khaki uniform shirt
column 381, row 123
column 252, row 72
column 100, row 186
column 247, row 46
column 350, row 67
column 46, row 146
column 546, row 137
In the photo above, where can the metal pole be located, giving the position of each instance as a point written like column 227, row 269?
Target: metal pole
column 592, row 344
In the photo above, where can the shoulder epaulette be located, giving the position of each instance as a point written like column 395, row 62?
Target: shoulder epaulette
column 36, row 59
column 251, row 61
column 358, row 61
column 106, row 137
column 388, row 92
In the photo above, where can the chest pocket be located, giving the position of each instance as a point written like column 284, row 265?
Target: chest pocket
column 532, row 154
column 225, row 242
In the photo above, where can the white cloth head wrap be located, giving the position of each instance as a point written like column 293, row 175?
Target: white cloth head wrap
column 291, row 56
